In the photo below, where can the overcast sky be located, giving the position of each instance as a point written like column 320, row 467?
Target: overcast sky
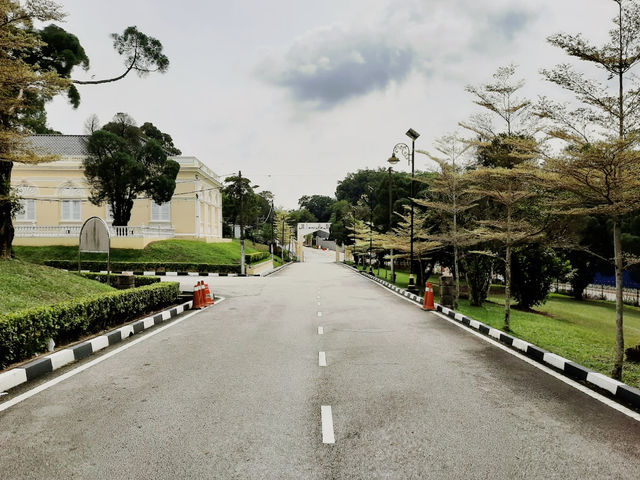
column 298, row 93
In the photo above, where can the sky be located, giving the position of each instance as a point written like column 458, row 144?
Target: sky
column 296, row 94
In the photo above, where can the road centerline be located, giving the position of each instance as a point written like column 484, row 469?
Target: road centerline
column 322, row 359
column 327, row 424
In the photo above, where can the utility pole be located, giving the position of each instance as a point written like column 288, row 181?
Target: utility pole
column 273, row 229
column 242, row 266
column 282, row 247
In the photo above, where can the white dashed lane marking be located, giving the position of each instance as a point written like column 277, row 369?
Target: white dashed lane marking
column 322, row 359
column 327, row 424
column 320, row 330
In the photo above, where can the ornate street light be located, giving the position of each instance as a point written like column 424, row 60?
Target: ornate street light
column 403, row 149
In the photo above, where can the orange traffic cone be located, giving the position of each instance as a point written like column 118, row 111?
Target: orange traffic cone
column 197, row 302
column 428, row 298
column 208, row 298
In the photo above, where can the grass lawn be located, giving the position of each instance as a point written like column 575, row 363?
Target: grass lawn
column 25, row 285
column 582, row 331
column 189, row 251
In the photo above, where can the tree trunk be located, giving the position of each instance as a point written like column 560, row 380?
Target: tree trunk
column 507, row 289
column 616, row 373
column 456, row 273
column 6, row 222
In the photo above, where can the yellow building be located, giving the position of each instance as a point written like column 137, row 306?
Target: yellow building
column 55, row 201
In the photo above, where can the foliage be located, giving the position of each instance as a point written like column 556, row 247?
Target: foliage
column 151, row 132
column 320, row 206
column 599, row 168
column 122, row 164
column 21, row 83
column 142, row 54
column 25, row 333
column 140, row 267
column 111, row 280
column 534, row 270
column 478, row 271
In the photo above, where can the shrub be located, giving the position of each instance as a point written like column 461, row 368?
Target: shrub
column 97, row 266
column 25, row 333
column 256, row 257
column 141, row 280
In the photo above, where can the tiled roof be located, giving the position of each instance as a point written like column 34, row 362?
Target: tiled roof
column 65, row 145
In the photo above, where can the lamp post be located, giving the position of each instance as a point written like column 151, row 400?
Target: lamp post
column 393, row 275
column 403, row 149
column 370, row 198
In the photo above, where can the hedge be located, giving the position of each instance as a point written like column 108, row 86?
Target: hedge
column 97, row 266
column 141, row 280
column 256, row 257
column 25, row 333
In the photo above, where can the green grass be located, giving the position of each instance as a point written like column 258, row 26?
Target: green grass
column 188, row 251
column 24, row 285
column 582, row 331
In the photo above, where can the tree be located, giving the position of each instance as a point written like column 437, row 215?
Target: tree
column 20, row 82
column 318, row 205
column 600, row 167
column 122, row 164
column 143, row 54
column 238, row 201
column 514, row 190
column 150, row 131
column 26, row 86
column 448, row 197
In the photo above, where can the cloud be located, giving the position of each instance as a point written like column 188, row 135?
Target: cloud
column 329, row 66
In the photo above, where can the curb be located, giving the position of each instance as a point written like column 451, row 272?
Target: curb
column 54, row 361
column 173, row 274
column 277, row 269
column 594, row 380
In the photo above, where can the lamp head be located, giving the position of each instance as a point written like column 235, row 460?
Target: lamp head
column 393, row 159
column 412, row 134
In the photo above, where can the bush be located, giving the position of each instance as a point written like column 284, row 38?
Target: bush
column 97, row 266
column 478, row 270
column 25, row 333
column 256, row 257
column 141, row 280
column 533, row 270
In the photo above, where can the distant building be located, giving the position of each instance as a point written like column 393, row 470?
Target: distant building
column 55, row 201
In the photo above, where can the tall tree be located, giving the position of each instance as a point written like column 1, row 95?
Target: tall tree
column 318, row 205
column 600, row 168
column 448, row 197
column 20, row 82
column 122, row 164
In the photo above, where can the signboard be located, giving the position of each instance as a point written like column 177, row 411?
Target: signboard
column 307, row 228
column 94, row 236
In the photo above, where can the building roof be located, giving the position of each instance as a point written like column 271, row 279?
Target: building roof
column 65, row 145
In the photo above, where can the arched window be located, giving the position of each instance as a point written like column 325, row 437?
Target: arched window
column 160, row 213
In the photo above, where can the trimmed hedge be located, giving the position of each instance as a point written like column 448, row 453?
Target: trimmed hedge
column 25, row 333
column 141, row 280
column 256, row 257
column 97, row 266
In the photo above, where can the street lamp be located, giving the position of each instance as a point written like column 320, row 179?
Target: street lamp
column 403, row 149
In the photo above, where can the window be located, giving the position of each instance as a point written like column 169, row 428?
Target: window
column 28, row 211
column 160, row 213
column 71, row 211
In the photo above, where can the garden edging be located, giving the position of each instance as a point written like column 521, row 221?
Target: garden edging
column 48, row 363
column 620, row 391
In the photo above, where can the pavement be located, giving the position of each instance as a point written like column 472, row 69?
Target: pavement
column 241, row 390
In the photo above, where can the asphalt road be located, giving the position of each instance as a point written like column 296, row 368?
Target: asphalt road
column 237, row 391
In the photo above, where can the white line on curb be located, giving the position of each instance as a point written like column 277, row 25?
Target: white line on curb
column 327, row 424
column 82, row 368
column 320, row 330
column 322, row 359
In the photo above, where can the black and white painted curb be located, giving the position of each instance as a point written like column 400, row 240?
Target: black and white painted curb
column 174, row 274
column 49, row 363
column 620, row 391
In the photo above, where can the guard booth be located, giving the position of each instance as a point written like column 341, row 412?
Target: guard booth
column 95, row 238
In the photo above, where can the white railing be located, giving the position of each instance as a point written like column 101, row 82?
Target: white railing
column 57, row 231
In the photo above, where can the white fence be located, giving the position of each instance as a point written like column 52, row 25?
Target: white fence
column 630, row 296
column 28, row 231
